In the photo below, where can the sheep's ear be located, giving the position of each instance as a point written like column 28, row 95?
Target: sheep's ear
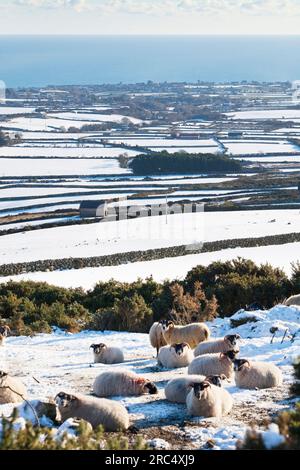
column 72, row 398
column 205, row 384
column 223, row 377
column 238, row 336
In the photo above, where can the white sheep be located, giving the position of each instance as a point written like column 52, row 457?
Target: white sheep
column 250, row 374
column 12, row 389
column 293, row 300
column 107, row 355
column 174, row 356
column 4, row 330
column 177, row 389
column 110, row 414
column 192, row 334
column 221, row 345
column 214, row 364
column 156, row 336
column 205, row 399
column 122, row 383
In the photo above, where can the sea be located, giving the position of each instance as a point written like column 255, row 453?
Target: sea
column 35, row 61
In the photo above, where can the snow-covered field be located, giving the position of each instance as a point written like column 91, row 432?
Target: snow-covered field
column 63, row 362
column 290, row 114
column 238, row 148
column 65, row 152
column 280, row 256
column 145, row 233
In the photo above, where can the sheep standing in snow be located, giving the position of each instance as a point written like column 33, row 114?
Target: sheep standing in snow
column 250, row 374
column 107, row 355
column 192, row 334
column 214, row 364
column 4, row 330
column 122, row 383
column 12, row 389
column 156, row 336
column 228, row 343
column 97, row 411
column 177, row 390
column 293, row 300
column 174, row 356
column 207, row 400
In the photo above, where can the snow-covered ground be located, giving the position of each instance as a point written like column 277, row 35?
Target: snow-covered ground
column 280, row 256
column 63, row 362
column 290, row 114
column 238, row 148
column 145, row 233
column 65, row 152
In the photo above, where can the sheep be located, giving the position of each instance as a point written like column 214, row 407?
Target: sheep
column 12, row 389
column 293, row 300
column 205, row 399
column 122, row 383
column 228, row 343
column 156, row 336
column 256, row 374
column 107, row 355
column 177, row 390
column 214, row 364
column 192, row 334
column 97, row 411
column 174, row 356
column 4, row 330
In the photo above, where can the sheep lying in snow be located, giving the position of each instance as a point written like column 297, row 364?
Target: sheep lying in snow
column 4, row 330
column 107, row 355
column 177, row 390
column 156, row 336
column 176, row 355
column 214, row 364
column 192, row 334
column 293, row 300
column 12, row 389
column 122, row 383
column 97, row 411
column 207, row 400
column 223, row 345
column 249, row 374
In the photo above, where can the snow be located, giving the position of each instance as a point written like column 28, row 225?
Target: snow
column 166, row 268
column 65, row 152
column 272, row 438
column 54, row 167
column 144, row 233
column 94, row 117
column 63, row 362
column 289, row 114
column 187, row 149
column 6, row 110
column 237, row 148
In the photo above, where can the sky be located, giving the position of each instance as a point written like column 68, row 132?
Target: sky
column 150, row 17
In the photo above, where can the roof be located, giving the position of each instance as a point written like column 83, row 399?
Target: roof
column 92, row 204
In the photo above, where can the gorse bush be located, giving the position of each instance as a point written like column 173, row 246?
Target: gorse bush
column 220, row 288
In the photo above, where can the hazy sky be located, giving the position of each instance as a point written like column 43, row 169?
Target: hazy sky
column 149, row 16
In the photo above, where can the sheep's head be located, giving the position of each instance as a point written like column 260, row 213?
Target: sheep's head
column 231, row 355
column 150, row 388
column 216, row 379
column 4, row 330
column 180, row 348
column 3, row 374
column 240, row 364
column 64, row 400
column 232, row 340
column 98, row 348
column 199, row 388
column 167, row 325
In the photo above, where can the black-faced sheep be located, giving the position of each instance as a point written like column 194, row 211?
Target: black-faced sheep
column 122, row 383
column 207, row 400
column 107, row 355
column 192, row 334
column 214, row 364
column 177, row 389
column 174, row 356
column 156, row 336
column 228, row 343
column 4, row 331
column 110, row 414
column 12, row 389
column 250, row 374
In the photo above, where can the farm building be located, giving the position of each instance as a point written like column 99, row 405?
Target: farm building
column 89, row 209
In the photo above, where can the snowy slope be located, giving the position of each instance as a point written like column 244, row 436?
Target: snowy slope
column 63, row 362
